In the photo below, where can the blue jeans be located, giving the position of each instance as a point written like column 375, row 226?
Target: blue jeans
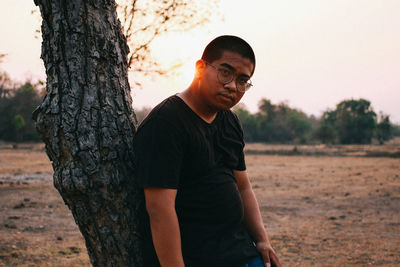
column 256, row 262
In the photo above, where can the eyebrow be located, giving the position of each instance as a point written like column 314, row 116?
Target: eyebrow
column 226, row 65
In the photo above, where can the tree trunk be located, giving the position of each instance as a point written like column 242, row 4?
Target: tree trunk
column 87, row 123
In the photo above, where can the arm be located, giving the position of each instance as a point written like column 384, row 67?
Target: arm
column 253, row 220
column 160, row 205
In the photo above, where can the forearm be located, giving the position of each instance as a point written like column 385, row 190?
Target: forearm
column 253, row 220
column 166, row 238
column 252, row 216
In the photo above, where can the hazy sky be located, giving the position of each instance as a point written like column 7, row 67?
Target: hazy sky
column 310, row 53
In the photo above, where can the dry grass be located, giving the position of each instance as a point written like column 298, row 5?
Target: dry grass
column 389, row 149
column 330, row 211
column 28, row 159
column 319, row 211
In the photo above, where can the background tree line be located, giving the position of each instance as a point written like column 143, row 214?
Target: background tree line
column 351, row 122
column 17, row 102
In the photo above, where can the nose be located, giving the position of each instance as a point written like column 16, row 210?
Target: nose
column 231, row 85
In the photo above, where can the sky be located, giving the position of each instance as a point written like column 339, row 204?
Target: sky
column 311, row 54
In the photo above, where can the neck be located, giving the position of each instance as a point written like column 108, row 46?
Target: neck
column 193, row 100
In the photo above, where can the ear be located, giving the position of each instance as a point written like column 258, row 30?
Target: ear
column 199, row 69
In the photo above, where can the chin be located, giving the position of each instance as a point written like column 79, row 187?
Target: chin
column 226, row 106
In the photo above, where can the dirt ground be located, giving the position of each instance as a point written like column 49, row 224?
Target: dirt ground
column 318, row 210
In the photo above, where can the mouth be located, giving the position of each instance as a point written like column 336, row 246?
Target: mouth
column 227, row 97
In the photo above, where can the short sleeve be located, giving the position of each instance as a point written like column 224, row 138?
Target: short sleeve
column 158, row 154
column 230, row 141
column 241, row 166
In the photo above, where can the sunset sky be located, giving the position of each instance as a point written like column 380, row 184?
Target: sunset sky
column 310, row 53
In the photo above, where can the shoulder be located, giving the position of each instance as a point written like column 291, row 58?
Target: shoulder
column 166, row 112
column 230, row 117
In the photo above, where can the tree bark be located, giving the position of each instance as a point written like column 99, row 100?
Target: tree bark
column 87, row 123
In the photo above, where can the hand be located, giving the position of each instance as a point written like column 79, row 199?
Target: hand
column 268, row 254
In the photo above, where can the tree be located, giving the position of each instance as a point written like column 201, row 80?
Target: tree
column 5, row 82
column 87, row 123
column 248, row 121
column 18, row 123
column 355, row 121
column 281, row 123
column 16, row 106
column 383, row 128
column 326, row 132
column 142, row 21
column 395, row 129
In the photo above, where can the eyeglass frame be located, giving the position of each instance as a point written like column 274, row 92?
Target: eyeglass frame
column 247, row 86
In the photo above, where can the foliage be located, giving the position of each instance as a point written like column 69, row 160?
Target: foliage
column 395, row 129
column 355, row 121
column 248, row 121
column 326, row 131
column 383, row 128
column 18, row 123
column 274, row 123
column 16, row 109
column 352, row 122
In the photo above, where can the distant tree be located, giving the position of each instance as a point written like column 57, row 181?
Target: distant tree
column 395, row 129
column 299, row 125
column 16, row 109
column 383, row 128
column 355, row 121
column 6, row 85
column 275, row 123
column 248, row 121
column 326, row 131
column 18, row 123
column 282, row 123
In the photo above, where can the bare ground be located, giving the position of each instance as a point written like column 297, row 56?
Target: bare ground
column 319, row 211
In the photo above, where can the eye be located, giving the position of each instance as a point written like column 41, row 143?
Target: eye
column 242, row 81
column 225, row 72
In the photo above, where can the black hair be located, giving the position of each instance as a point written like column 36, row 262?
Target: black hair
column 216, row 47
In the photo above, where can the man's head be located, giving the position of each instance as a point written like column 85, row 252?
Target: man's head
column 216, row 47
column 222, row 74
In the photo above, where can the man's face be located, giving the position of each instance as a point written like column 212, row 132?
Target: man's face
column 216, row 95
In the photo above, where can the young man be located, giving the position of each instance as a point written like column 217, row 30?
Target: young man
column 201, row 208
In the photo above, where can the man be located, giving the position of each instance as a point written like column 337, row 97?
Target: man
column 201, row 209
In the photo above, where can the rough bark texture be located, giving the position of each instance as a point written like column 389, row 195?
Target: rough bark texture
column 87, row 123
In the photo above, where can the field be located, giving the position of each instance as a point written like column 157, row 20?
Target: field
column 320, row 207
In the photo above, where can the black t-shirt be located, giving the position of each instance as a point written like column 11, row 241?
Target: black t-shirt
column 177, row 149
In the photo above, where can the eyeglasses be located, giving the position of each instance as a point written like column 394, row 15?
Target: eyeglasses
column 225, row 76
